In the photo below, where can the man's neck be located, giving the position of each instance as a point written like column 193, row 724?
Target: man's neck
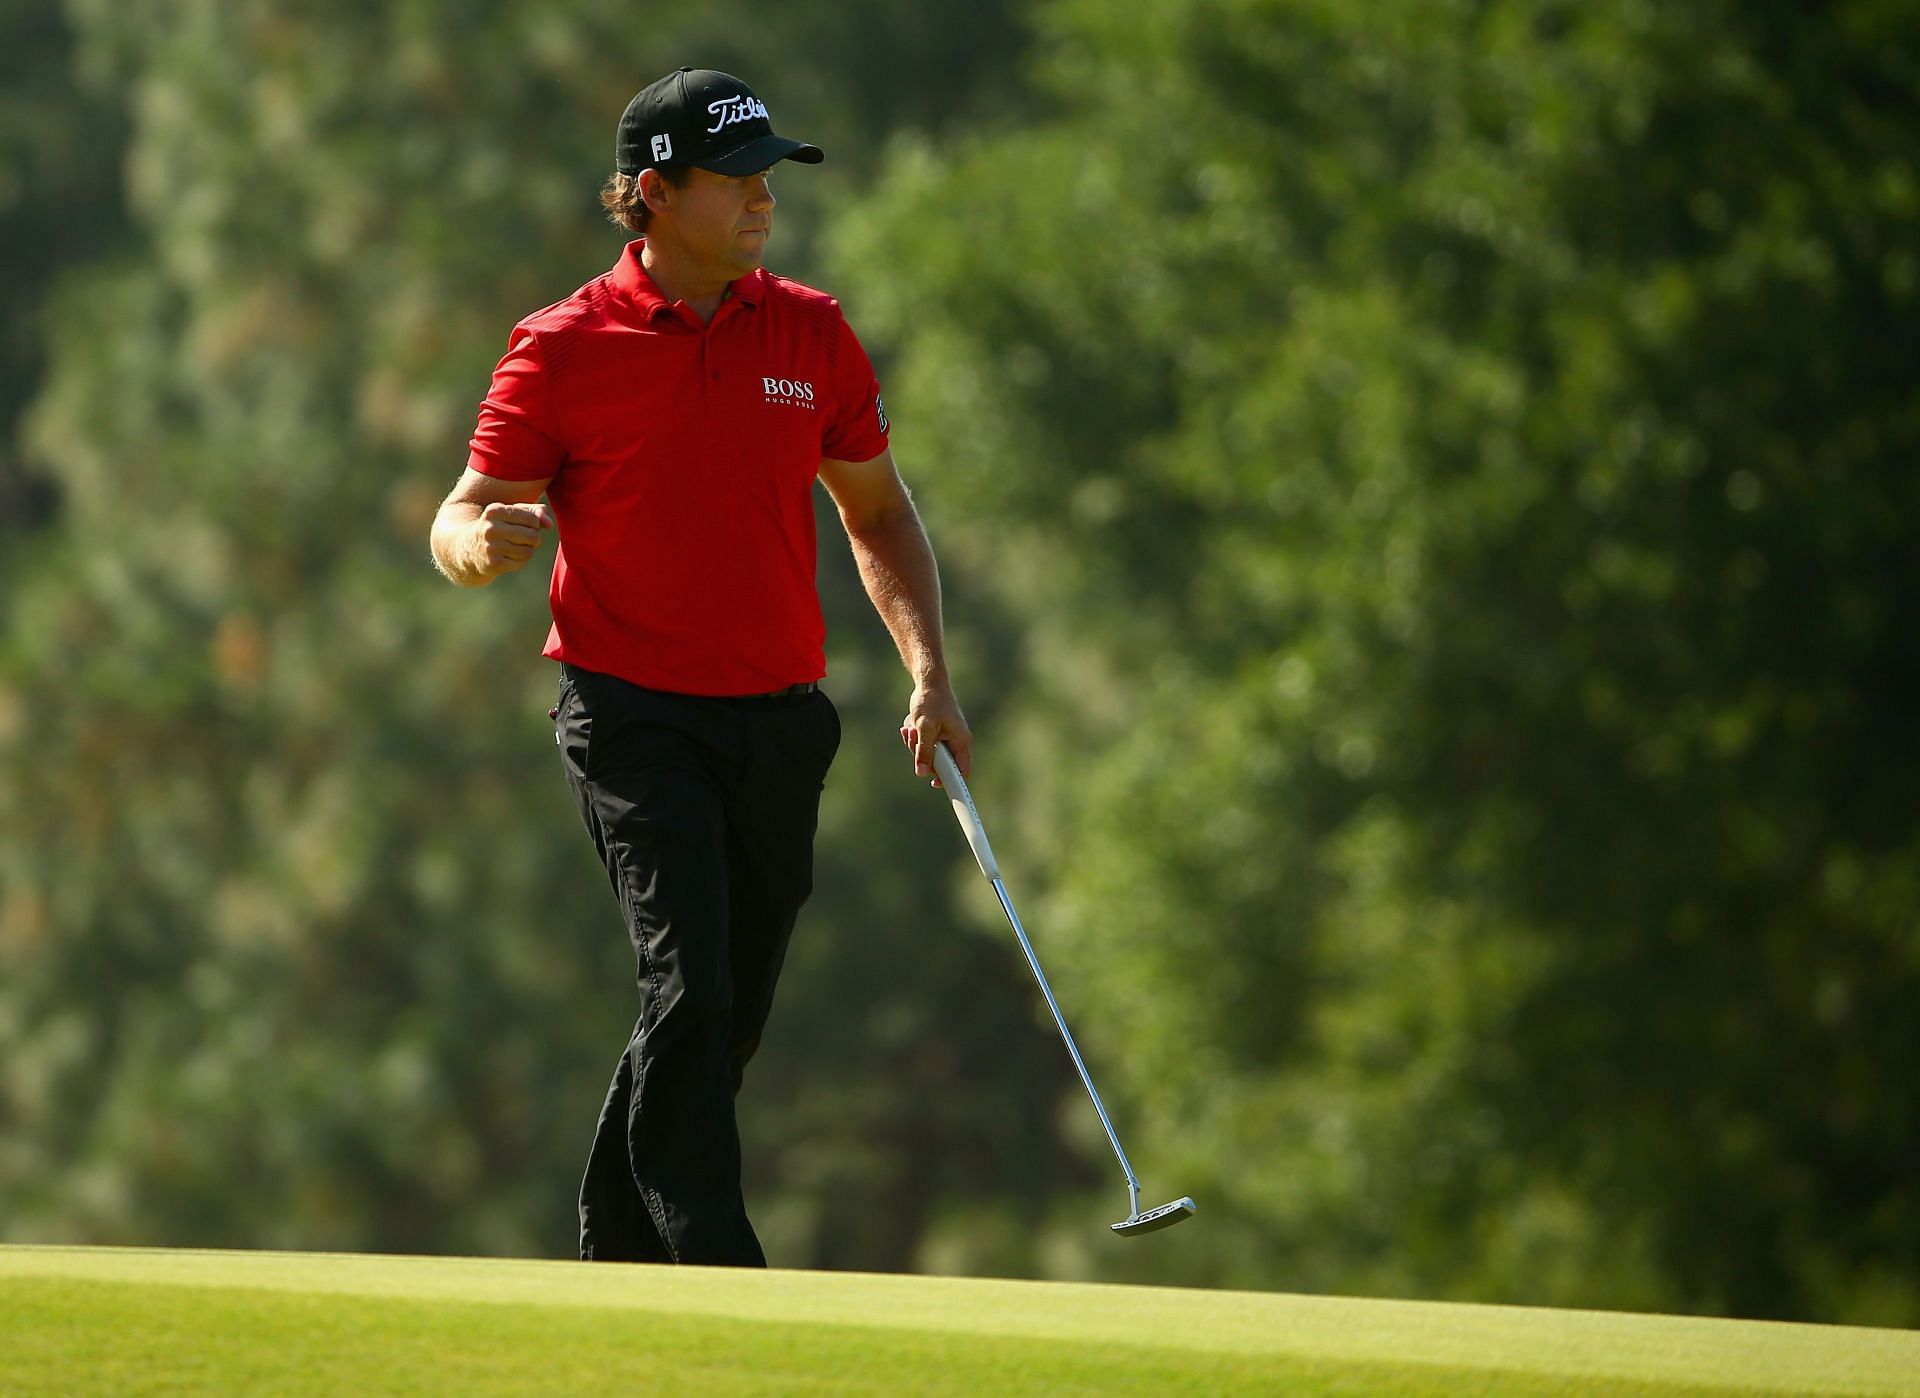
column 678, row 280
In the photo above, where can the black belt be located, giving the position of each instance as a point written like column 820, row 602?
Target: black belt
column 792, row 691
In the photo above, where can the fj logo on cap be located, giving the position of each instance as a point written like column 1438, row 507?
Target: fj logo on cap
column 727, row 110
column 663, row 147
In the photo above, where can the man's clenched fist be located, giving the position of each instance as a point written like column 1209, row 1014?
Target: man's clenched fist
column 486, row 527
column 505, row 537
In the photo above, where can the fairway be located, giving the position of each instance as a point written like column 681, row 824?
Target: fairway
column 138, row 1321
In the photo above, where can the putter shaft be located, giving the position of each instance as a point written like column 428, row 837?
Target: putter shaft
column 1066, row 1035
column 968, row 815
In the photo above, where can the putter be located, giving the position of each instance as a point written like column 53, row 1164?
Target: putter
column 1135, row 1223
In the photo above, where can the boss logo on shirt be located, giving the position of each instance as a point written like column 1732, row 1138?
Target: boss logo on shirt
column 795, row 394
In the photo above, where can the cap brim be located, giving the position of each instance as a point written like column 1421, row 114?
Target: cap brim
column 760, row 153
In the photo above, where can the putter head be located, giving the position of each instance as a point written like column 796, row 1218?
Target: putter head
column 1153, row 1220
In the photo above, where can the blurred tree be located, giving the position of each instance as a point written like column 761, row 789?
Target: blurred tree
column 60, row 203
column 300, row 944
column 1452, row 465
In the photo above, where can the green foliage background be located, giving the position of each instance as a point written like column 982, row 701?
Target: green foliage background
column 1427, row 504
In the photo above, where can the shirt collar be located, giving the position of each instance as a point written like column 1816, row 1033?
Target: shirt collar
column 630, row 279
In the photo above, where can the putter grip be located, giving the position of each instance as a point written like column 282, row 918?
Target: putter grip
column 963, row 809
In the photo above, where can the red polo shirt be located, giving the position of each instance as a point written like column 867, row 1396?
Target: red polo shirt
column 680, row 459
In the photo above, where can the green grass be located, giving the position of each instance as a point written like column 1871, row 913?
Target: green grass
column 107, row 1320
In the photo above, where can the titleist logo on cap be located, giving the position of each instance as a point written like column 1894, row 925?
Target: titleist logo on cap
column 728, row 110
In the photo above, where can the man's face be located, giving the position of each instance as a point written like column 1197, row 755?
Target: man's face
column 721, row 222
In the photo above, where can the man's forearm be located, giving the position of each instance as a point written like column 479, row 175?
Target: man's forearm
column 897, row 566
column 452, row 544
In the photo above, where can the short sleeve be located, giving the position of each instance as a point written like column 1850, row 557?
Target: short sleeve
column 517, row 437
column 858, row 431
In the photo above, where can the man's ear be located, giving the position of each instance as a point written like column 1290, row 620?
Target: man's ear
column 655, row 190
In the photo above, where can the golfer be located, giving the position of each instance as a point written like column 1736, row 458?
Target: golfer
column 675, row 413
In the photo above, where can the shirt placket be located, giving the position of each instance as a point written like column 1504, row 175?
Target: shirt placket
column 713, row 357
column 713, row 370
column 706, row 373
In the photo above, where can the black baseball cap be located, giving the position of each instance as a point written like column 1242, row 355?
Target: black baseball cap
column 699, row 117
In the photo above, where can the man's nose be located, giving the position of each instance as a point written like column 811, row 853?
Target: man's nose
column 760, row 193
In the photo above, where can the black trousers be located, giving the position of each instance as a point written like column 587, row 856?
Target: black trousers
column 703, row 811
